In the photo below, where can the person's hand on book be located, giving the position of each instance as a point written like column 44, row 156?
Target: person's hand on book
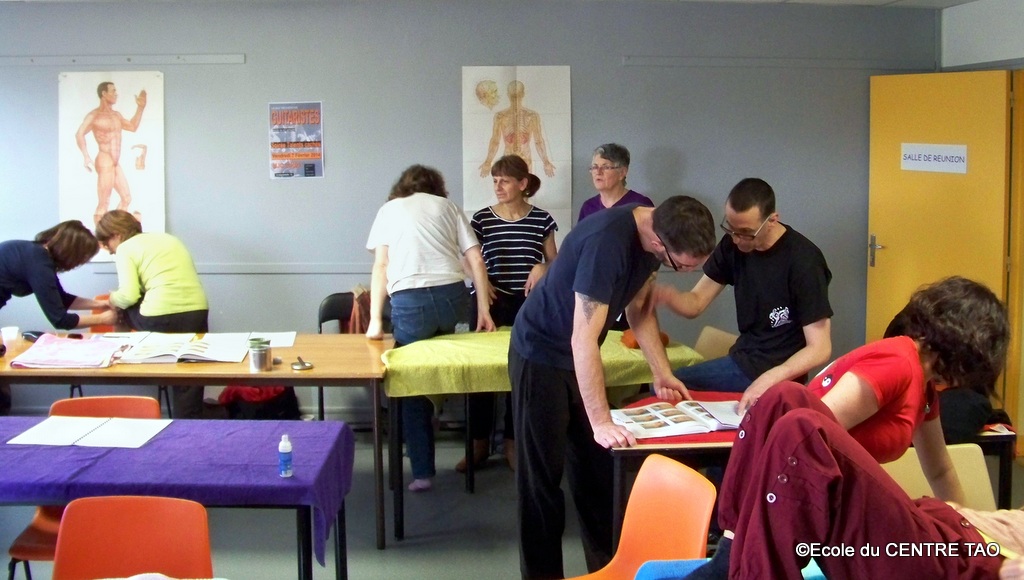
column 609, row 435
column 750, row 396
column 670, row 389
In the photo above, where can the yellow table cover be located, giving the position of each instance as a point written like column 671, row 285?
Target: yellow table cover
column 477, row 362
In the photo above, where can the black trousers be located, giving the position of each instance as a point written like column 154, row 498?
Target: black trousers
column 553, row 435
column 187, row 401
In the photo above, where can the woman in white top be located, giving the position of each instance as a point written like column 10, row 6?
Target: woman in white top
column 419, row 239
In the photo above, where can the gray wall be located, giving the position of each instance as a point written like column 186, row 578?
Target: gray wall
column 703, row 95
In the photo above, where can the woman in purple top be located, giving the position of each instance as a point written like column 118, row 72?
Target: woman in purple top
column 608, row 170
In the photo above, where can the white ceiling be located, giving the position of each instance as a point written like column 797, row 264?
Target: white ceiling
column 934, row 4
column 893, row 3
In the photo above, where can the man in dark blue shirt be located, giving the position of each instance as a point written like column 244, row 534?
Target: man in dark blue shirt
column 562, row 419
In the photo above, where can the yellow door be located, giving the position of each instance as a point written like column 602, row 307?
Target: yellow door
column 939, row 185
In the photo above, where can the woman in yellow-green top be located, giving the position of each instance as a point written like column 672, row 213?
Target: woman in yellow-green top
column 158, row 288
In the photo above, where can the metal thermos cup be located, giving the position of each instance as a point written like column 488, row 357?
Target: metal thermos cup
column 260, row 356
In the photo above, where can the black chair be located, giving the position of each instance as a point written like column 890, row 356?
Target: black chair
column 336, row 307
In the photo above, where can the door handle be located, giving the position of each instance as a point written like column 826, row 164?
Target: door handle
column 872, row 246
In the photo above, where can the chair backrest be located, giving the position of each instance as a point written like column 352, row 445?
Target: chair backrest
column 667, row 517
column 714, row 343
column 971, row 469
column 114, row 406
column 336, row 307
column 120, row 536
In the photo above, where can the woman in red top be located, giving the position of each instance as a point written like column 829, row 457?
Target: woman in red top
column 955, row 332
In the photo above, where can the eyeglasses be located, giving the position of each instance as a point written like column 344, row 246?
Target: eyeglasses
column 667, row 253
column 742, row 236
column 603, row 168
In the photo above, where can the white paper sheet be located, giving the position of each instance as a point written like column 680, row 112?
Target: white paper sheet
column 58, row 431
column 92, row 432
column 124, row 433
column 125, row 338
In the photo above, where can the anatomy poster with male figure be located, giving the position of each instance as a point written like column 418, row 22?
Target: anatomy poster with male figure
column 111, row 146
column 525, row 111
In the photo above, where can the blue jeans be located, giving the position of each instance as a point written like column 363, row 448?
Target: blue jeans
column 416, row 314
column 720, row 374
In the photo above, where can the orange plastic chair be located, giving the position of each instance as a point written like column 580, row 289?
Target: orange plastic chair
column 124, row 535
column 132, row 407
column 39, row 539
column 663, row 487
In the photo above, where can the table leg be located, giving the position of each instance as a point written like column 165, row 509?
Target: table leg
column 397, row 479
column 470, row 469
column 618, row 499
column 303, row 525
column 5, row 399
column 1006, row 451
column 340, row 546
column 394, row 446
column 378, row 462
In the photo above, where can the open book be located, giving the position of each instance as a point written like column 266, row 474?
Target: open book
column 92, row 432
column 663, row 419
column 160, row 347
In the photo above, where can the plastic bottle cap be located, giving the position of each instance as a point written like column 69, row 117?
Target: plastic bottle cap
column 285, row 446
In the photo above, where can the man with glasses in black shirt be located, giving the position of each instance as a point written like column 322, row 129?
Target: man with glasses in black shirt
column 780, row 283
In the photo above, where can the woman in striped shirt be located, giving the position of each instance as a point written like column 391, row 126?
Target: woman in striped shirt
column 518, row 243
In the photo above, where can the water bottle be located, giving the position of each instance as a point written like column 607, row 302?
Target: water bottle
column 284, row 457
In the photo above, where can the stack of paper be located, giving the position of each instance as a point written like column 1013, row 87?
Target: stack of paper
column 51, row 351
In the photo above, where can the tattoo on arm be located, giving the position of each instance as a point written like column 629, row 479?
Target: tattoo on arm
column 589, row 306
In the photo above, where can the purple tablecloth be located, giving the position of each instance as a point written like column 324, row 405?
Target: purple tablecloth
column 216, row 463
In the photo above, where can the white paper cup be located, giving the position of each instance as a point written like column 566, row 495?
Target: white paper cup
column 9, row 333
